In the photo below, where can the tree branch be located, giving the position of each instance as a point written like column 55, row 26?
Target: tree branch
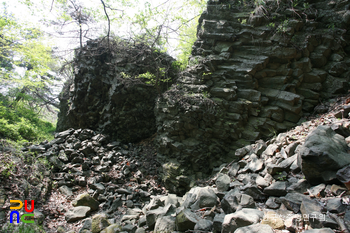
column 109, row 22
column 52, row 5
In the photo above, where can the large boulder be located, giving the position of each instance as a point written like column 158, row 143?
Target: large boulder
column 85, row 199
column 322, row 155
column 200, row 197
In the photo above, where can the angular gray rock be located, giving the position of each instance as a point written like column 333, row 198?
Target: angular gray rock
column 278, row 188
column 99, row 222
column 317, row 190
column 311, row 209
column 200, row 197
column 293, row 201
column 223, row 182
column 217, row 222
column 322, row 155
column 86, row 225
column 241, row 218
column 283, row 166
column 233, row 201
column 273, row 203
column 165, row 224
column 153, row 215
column 343, row 175
column 186, row 220
column 66, row 190
column 77, row 213
column 254, row 164
column 86, row 200
column 335, row 205
column 301, row 186
column 203, row 225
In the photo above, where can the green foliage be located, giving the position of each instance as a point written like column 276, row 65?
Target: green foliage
column 7, row 166
column 206, row 94
column 20, row 122
column 187, row 38
column 150, row 77
column 271, row 25
column 176, row 65
column 22, row 46
column 22, row 228
column 124, row 75
column 281, row 176
column 282, row 28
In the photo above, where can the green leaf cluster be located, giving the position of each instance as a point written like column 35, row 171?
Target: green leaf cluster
column 22, row 46
column 21, row 123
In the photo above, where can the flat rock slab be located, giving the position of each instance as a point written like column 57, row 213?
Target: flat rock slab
column 278, row 188
column 77, row 213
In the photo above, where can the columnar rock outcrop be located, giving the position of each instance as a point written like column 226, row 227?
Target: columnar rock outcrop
column 251, row 75
column 112, row 91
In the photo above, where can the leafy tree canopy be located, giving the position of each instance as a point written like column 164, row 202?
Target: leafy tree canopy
column 24, row 57
column 169, row 25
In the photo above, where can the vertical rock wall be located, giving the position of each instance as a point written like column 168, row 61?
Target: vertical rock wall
column 250, row 76
column 108, row 95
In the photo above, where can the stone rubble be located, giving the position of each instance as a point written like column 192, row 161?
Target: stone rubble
column 109, row 192
column 256, row 68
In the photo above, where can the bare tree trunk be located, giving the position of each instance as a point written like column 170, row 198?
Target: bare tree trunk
column 109, row 22
column 80, row 20
column 80, row 33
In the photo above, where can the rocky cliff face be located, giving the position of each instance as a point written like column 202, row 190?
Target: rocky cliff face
column 251, row 75
column 256, row 68
column 109, row 95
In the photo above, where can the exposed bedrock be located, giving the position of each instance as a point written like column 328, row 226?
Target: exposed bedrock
column 250, row 77
column 111, row 91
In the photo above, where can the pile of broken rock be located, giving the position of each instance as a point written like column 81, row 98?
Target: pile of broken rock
column 295, row 182
column 292, row 183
